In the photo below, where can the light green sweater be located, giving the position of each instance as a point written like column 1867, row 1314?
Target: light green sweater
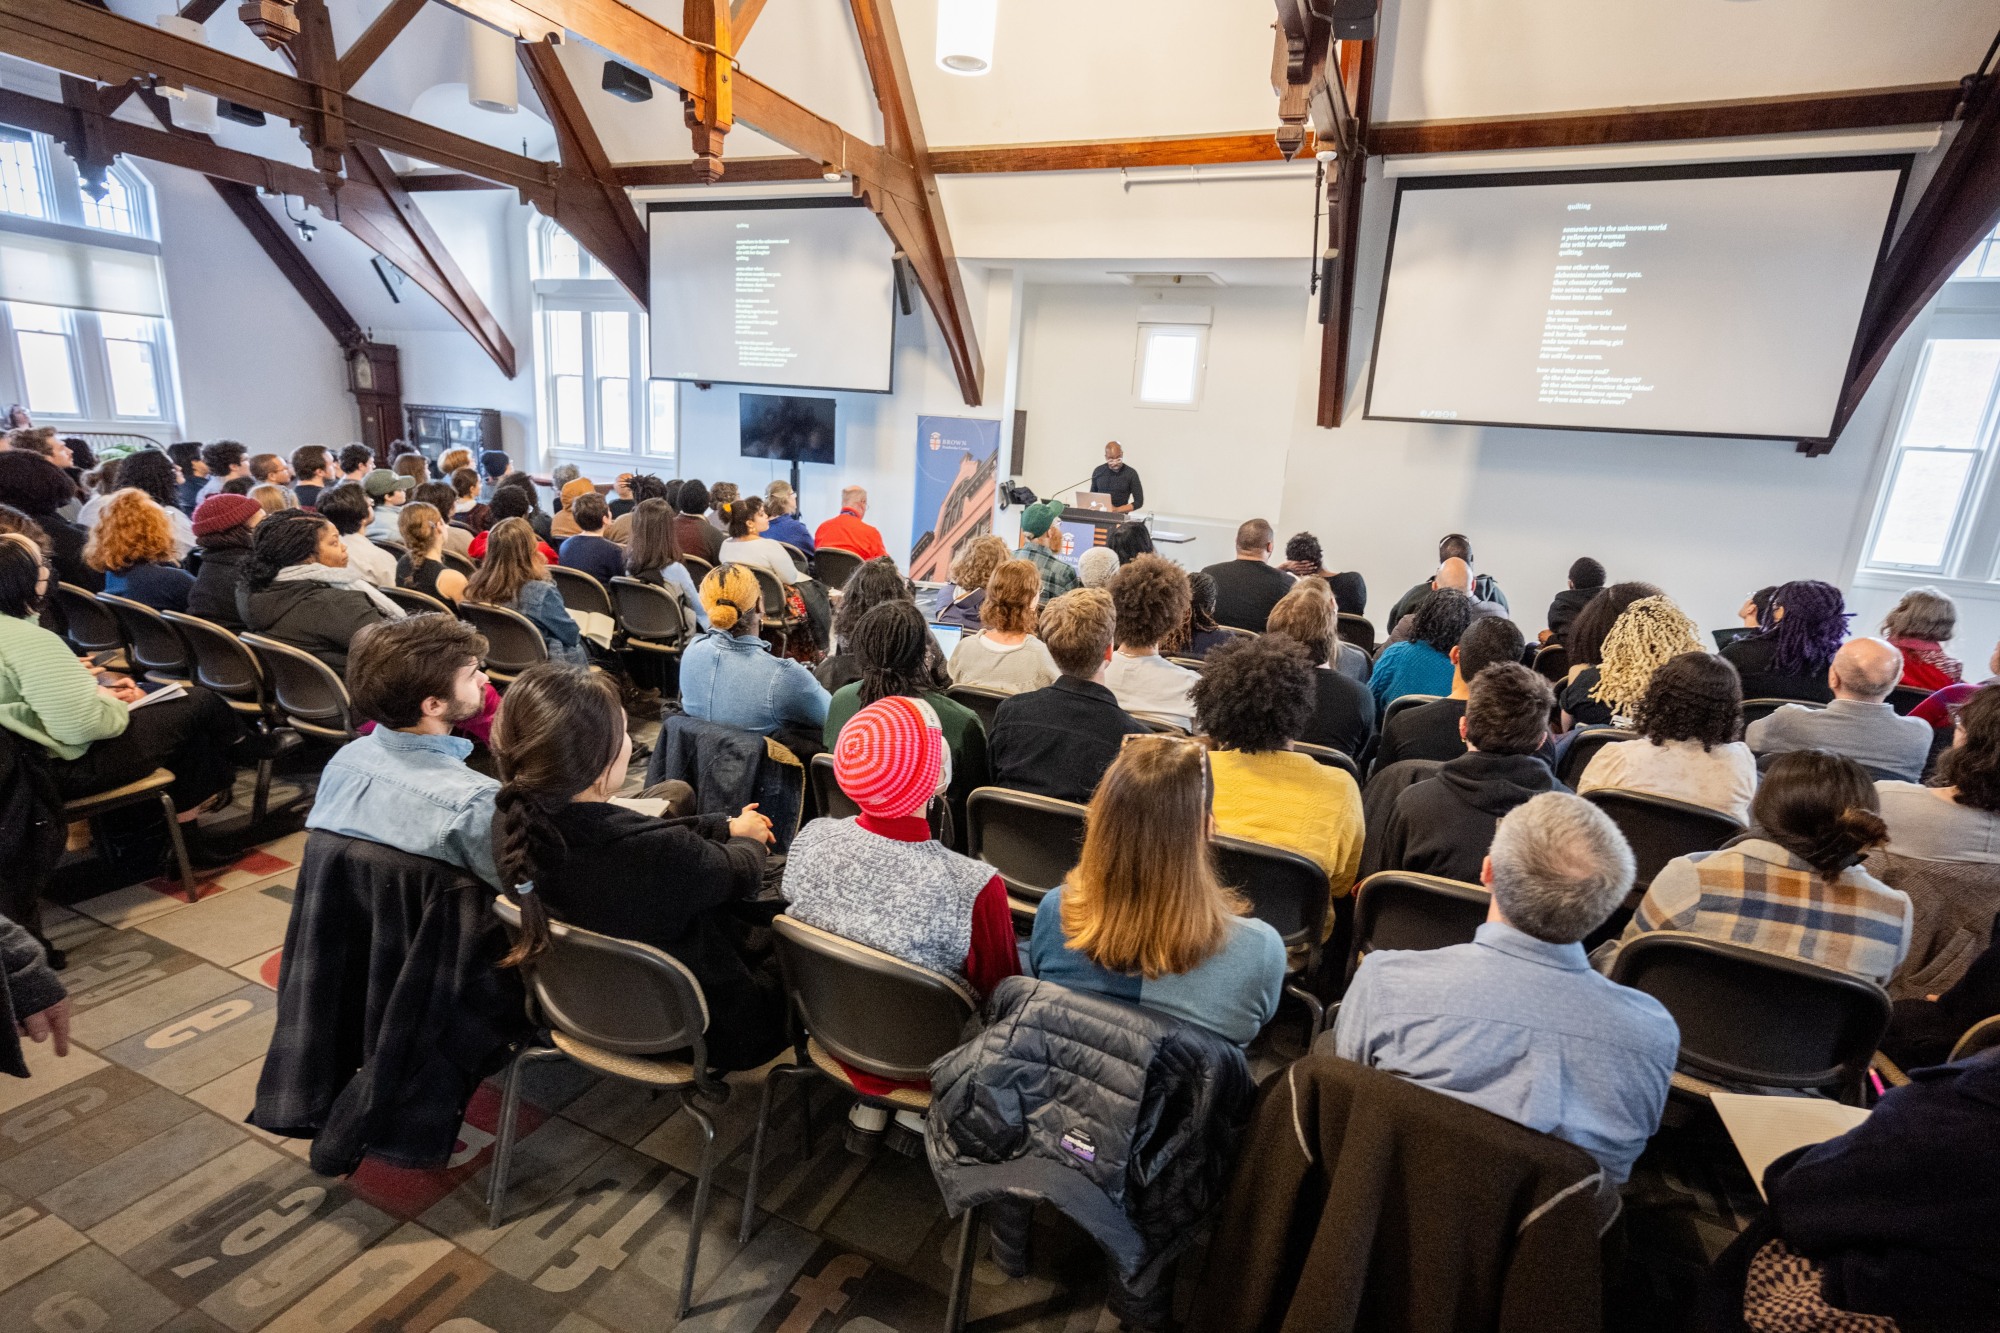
column 47, row 696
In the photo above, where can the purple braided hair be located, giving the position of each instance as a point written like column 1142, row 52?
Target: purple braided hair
column 1813, row 629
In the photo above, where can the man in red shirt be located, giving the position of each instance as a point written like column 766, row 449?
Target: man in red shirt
column 846, row 529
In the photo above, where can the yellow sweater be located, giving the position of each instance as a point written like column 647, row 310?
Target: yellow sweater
column 1293, row 801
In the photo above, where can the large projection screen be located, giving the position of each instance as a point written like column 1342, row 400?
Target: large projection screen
column 1717, row 300
column 798, row 294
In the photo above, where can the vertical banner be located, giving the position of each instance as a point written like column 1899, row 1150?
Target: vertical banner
column 957, row 463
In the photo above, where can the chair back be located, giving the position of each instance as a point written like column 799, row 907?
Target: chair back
column 221, row 662
column 1033, row 841
column 870, row 1010
column 1584, row 748
column 1398, row 909
column 155, row 646
column 799, row 558
column 776, row 612
column 92, row 627
column 1285, row 889
column 513, row 642
column 1660, row 829
column 1237, row 631
column 415, row 602
column 1552, row 663
column 1331, row 757
column 1357, row 630
column 1980, row 1037
column 649, row 613
column 581, row 591
column 1905, row 698
column 698, row 567
column 1751, row 1017
column 1405, row 701
column 835, row 564
column 832, row 801
column 986, row 703
column 312, row 698
column 463, row 564
column 1756, row 710
column 391, row 545
column 617, row 995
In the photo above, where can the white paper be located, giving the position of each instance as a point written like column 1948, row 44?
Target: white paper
column 1765, row 1128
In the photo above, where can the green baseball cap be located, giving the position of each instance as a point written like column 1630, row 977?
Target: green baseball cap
column 383, row 482
column 1038, row 518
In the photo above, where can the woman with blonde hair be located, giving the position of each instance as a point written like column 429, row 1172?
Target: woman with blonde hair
column 1651, row 633
column 1006, row 655
column 1143, row 917
column 451, row 460
column 515, row 575
column 422, row 566
column 133, row 547
column 1920, row 625
column 959, row 600
column 730, row 675
column 273, row 499
column 781, row 503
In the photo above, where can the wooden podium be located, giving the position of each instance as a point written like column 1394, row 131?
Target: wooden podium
column 1085, row 528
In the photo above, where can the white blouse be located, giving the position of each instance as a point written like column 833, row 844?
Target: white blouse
column 1722, row 778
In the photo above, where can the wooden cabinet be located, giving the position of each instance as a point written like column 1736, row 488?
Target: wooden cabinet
column 436, row 429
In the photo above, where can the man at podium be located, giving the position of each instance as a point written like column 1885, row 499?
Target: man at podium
column 1115, row 479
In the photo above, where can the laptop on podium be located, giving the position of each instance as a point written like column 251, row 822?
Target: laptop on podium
column 1093, row 500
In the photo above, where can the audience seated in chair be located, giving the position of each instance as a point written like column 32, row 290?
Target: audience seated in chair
column 565, row 851
column 1798, row 634
column 1859, row 722
column 1150, row 595
column 152, row 472
column 694, row 534
column 653, row 554
column 43, row 491
column 133, row 548
column 730, row 675
column 1421, row 664
column 1253, row 700
column 467, row 508
column 1143, row 918
column 224, row 526
column 589, row 550
column 1959, row 819
column 422, row 566
column 1586, row 580
column 1648, row 634
column 1443, row 824
column 1304, row 559
column 1247, row 587
column 1199, row 634
column 453, row 537
column 960, row 599
column 781, row 503
column 226, row 461
column 1480, row 587
column 849, row 529
column 388, row 491
column 1689, row 722
column 1517, row 1022
column 1095, row 566
column 1939, row 708
column 563, row 524
column 515, row 575
column 1919, row 626
column 1593, row 624
column 872, row 583
column 1057, row 741
column 406, row 784
column 299, row 588
column 880, row 880
column 1432, row 731
column 1455, row 575
column 511, row 502
column 1005, row 655
column 348, row 509
column 1041, row 542
column 1343, row 714
column 1795, row 886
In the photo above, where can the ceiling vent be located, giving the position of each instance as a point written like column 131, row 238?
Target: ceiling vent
column 1174, row 280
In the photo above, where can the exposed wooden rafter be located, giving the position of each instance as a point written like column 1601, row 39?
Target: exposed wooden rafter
column 1355, row 78
column 742, row 15
column 369, row 46
column 589, row 204
column 709, row 103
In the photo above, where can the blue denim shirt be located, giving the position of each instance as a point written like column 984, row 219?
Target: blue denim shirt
column 739, row 681
column 413, row 793
column 1524, row 1029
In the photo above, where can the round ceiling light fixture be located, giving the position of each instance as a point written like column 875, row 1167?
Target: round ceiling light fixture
column 965, row 35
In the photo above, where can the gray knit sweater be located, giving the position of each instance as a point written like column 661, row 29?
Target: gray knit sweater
column 910, row 899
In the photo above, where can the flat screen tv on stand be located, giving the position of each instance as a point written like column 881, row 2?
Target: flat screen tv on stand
column 781, row 426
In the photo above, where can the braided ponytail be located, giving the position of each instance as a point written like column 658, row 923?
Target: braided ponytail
column 522, row 827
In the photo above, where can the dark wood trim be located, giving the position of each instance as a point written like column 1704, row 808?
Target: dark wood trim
column 1356, row 76
column 588, row 203
column 742, row 16
column 370, row 45
column 201, row 11
column 276, row 242
column 432, row 182
column 1179, row 150
column 1862, row 108
column 742, row 171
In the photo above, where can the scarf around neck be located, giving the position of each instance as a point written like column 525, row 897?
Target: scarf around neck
column 349, row 578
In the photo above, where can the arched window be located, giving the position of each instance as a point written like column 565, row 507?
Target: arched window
column 124, row 207
column 596, row 400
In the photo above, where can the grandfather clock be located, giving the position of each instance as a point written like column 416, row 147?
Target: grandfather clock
column 375, row 379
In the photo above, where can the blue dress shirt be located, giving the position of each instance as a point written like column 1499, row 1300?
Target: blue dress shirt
column 412, row 792
column 786, row 528
column 1524, row 1029
column 739, row 681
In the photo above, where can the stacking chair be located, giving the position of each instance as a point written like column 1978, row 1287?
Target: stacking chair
column 1981, row 1036
column 222, row 664
column 582, row 592
column 1237, row 633
column 1399, row 909
column 1033, row 841
column 1756, row 1019
column 92, row 628
column 833, row 803
column 697, row 567
column 153, row 646
column 799, row 558
column 835, row 564
column 311, row 697
column 1906, row 697
column 463, row 564
column 415, row 602
column 391, row 545
column 650, row 615
column 986, row 703
column 1551, row 662
column 152, row 787
column 1332, row 758
column 627, row 1010
column 777, row 615
column 513, row 642
column 1584, row 748
column 1406, row 701
column 1660, row 829
column 1756, row 710
column 1288, row 891
column 1357, row 630
column 1195, row 664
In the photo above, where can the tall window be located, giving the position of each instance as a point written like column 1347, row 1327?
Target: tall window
column 596, row 399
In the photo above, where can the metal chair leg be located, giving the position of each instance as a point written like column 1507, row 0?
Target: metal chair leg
column 1313, row 1007
column 179, row 845
column 756, row 1158
column 503, row 1149
column 961, row 1273
column 700, row 1204
column 262, row 798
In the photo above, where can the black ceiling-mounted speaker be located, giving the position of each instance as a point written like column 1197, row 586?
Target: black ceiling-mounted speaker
column 1353, row 20
column 906, row 299
column 626, row 84
column 236, row 111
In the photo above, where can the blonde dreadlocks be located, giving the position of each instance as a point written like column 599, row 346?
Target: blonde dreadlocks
column 1650, row 633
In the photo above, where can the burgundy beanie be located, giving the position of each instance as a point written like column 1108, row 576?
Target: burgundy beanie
column 219, row 513
column 891, row 757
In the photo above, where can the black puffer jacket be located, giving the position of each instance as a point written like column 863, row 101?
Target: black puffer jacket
column 1125, row 1119
column 315, row 617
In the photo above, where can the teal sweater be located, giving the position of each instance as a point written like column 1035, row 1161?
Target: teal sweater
column 47, row 696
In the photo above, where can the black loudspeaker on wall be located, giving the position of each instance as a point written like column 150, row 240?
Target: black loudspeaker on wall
column 1016, row 457
column 1329, row 283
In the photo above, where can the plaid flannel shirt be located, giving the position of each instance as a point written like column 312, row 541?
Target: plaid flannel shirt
column 1758, row 894
column 1057, row 575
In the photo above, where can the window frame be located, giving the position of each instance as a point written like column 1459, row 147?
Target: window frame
column 590, row 296
column 1148, row 330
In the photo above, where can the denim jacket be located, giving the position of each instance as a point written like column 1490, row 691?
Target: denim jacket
column 541, row 601
column 412, row 792
column 739, row 681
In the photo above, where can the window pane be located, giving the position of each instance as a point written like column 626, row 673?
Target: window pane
column 1984, row 261
column 1923, row 501
column 611, row 333
column 569, row 410
column 563, row 255
column 1951, row 397
column 38, row 318
column 614, row 414
column 114, row 211
column 135, row 390
column 21, row 179
column 660, row 418
column 1172, row 359
column 566, row 342
column 48, row 372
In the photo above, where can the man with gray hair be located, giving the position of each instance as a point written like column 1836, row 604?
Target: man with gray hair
column 1095, row 566
column 1517, row 1022
column 1860, row 722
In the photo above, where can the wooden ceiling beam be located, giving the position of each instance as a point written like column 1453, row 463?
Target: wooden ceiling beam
column 370, row 45
column 589, row 203
column 432, row 182
column 742, row 15
column 1355, row 80
column 1859, row 109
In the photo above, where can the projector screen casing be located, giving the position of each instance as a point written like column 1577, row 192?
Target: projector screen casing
column 1507, row 350
column 845, row 303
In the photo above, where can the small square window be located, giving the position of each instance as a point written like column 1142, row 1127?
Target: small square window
column 1171, row 359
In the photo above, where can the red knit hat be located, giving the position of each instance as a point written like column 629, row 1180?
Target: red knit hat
column 220, row 512
column 891, row 759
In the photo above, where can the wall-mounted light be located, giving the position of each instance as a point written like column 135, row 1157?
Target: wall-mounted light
column 491, row 83
column 965, row 35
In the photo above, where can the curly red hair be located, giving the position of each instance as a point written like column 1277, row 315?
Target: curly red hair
column 131, row 530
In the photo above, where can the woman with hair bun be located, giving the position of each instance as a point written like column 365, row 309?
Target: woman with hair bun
column 1795, row 886
column 730, row 675
column 747, row 545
